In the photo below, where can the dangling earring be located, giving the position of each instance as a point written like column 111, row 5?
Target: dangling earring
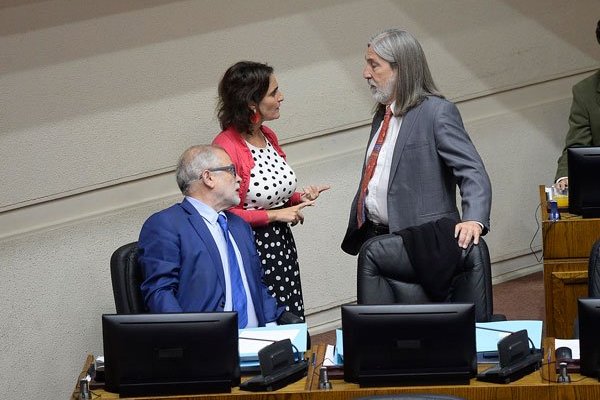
column 255, row 118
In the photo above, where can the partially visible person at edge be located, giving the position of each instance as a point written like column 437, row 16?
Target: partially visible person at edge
column 424, row 155
column 584, row 121
column 249, row 95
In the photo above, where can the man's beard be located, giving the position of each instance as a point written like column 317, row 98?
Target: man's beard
column 382, row 95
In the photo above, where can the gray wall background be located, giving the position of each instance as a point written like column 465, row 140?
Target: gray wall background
column 98, row 99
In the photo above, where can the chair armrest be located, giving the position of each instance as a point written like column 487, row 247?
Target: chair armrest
column 497, row 317
column 289, row 318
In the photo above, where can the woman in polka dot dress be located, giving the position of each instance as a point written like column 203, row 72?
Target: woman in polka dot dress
column 248, row 96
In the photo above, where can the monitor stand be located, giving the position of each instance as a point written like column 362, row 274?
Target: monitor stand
column 174, row 388
column 376, row 379
column 590, row 212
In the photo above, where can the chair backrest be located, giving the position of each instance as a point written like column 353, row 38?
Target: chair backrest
column 386, row 276
column 126, row 276
column 594, row 271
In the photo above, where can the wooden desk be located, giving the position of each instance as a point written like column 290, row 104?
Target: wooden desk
column 531, row 387
column 566, row 249
column 528, row 388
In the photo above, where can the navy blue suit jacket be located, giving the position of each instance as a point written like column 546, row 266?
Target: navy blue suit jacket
column 182, row 266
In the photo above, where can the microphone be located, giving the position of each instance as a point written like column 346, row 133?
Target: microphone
column 297, row 352
column 563, row 377
column 84, row 390
column 257, row 339
column 324, row 382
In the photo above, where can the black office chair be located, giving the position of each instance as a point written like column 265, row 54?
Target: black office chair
column 593, row 280
column 126, row 276
column 594, row 271
column 386, row 276
column 410, row 396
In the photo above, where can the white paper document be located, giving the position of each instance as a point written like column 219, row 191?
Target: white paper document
column 329, row 360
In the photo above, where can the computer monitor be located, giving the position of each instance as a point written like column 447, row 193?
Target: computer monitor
column 584, row 190
column 409, row 344
column 173, row 353
column 589, row 336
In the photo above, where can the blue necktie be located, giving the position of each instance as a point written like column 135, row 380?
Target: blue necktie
column 238, row 293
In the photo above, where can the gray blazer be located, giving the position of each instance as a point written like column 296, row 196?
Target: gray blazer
column 433, row 154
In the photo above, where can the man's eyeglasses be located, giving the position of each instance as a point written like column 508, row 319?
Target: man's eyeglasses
column 228, row 168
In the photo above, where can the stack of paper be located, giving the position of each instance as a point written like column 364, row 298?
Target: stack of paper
column 334, row 355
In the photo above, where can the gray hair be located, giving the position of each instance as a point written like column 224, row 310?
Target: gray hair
column 192, row 163
column 413, row 78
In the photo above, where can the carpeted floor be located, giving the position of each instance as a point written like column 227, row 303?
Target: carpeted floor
column 521, row 298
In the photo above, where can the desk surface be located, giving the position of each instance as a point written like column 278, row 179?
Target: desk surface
column 536, row 386
column 528, row 388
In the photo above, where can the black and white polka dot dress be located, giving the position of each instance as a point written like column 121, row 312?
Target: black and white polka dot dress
column 272, row 183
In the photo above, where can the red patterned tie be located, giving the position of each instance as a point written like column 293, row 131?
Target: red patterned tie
column 370, row 168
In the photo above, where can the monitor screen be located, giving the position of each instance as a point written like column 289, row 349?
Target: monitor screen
column 409, row 344
column 584, row 187
column 589, row 336
column 178, row 353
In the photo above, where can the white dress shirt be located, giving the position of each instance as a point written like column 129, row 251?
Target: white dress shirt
column 210, row 217
column 376, row 199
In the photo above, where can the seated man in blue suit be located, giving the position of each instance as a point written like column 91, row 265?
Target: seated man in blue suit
column 189, row 265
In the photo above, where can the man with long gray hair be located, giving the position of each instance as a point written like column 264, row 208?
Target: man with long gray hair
column 418, row 152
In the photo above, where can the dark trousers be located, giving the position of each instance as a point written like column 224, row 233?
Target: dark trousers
column 371, row 230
